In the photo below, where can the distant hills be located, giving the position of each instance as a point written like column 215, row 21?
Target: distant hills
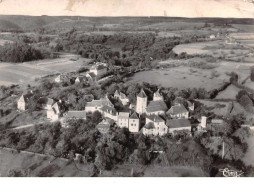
column 28, row 23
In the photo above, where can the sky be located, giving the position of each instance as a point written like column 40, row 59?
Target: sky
column 176, row 8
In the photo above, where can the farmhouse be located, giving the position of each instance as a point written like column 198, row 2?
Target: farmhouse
column 50, row 102
column 80, row 79
column 91, row 77
column 109, row 112
column 61, row 78
column 95, row 105
column 122, row 97
column 72, row 115
column 178, row 111
column 105, row 125
column 55, row 112
column 23, row 101
column 176, row 125
column 99, row 69
column 155, row 125
column 123, row 119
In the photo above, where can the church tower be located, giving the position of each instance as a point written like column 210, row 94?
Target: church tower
column 141, row 102
column 157, row 96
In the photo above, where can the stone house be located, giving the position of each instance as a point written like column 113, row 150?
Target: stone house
column 95, row 105
column 72, row 115
column 175, row 125
column 122, row 97
column 155, row 125
column 157, row 107
column 55, row 112
column 123, row 119
column 134, row 123
column 23, row 102
column 108, row 112
column 178, row 111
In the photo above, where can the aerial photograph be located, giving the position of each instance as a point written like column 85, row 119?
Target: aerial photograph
column 129, row 88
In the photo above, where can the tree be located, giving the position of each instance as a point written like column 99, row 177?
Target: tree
column 252, row 74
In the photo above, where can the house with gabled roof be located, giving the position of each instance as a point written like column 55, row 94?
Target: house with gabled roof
column 80, row 79
column 175, row 125
column 157, row 96
column 99, row 69
column 134, row 123
column 95, row 105
column 155, row 125
column 55, row 112
column 104, row 125
column 23, row 101
column 61, row 78
column 157, row 107
column 122, row 97
column 178, row 111
column 123, row 119
column 72, row 115
column 109, row 112
column 49, row 103
column 91, row 77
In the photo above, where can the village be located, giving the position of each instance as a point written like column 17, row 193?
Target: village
column 159, row 119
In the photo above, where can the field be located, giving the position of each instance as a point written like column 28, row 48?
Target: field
column 181, row 77
column 219, row 108
column 229, row 93
column 39, row 165
column 19, row 73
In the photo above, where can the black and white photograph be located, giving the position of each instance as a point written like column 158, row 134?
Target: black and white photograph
column 127, row 88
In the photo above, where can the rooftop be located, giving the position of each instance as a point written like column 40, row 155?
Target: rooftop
column 75, row 114
column 142, row 94
column 177, row 109
column 154, row 106
column 155, row 118
column 134, row 116
column 149, row 125
column 176, row 123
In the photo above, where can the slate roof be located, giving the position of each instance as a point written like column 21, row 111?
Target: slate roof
column 142, row 94
column 157, row 93
column 108, row 109
column 100, row 103
column 123, row 115
column 149, row 125
column 177, row 123
column 75, row 114
column 177, row 109
column 116, row 93
column 50, row 101
column 123, row 96
column 24, row 98
column 134, row 116
column 154, row 106
column 155, row 118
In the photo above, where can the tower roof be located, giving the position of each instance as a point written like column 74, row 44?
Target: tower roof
column 142, row 94
column 134, row 116
column 157, row 93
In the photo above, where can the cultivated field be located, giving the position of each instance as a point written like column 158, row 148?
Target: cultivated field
column 181, row 77
column 19, row 73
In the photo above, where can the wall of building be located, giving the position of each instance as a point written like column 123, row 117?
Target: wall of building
column 141, row 105
column 134, row 125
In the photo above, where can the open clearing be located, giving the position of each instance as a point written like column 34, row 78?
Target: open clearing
column 19, row 73
column 181, row 77
column 39, row 165
column 229, row 93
